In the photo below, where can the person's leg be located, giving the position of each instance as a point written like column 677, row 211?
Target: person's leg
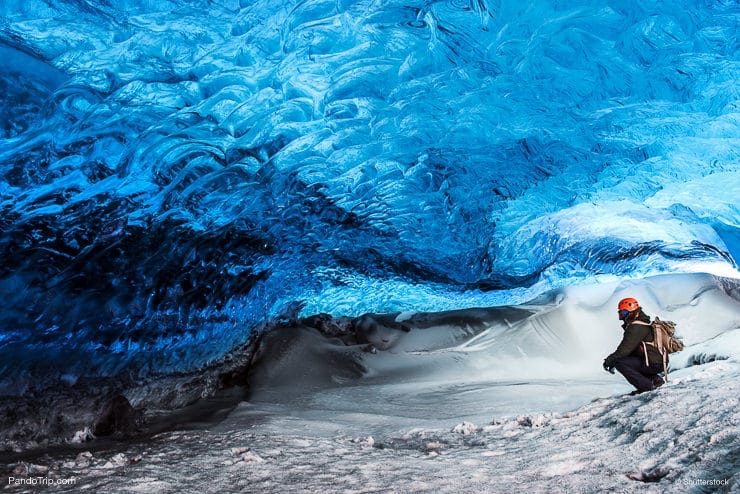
column 653, row 371
column 636, row 372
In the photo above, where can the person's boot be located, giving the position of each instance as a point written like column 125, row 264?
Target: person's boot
column 658, row 382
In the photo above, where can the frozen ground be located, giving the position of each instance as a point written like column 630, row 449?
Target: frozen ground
column 494, row 402
column 670, row 440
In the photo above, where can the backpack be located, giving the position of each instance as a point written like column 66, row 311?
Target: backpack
column 665, row 340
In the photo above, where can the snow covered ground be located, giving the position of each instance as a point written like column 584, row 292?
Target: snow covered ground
column 454, row 407
column 684, row 437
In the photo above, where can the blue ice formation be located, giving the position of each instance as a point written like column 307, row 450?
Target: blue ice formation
column 173, row 173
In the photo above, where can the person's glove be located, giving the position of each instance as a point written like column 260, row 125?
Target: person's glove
column 608, row 368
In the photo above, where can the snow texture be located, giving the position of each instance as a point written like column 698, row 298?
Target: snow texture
column 683, row 437
column 174, row 174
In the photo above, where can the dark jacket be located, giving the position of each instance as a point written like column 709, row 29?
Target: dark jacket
column 635, row 336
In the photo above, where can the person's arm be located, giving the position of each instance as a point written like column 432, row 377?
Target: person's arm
column 633, row 336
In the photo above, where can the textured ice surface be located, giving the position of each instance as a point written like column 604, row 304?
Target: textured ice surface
column 669, row 440
column 175, row 173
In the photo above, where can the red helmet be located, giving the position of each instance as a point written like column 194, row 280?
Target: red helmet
column 630, row 304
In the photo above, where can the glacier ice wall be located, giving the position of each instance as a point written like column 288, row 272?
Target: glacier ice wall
column 174, row 173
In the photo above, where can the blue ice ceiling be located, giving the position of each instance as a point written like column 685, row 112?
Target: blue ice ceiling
column 174, row 173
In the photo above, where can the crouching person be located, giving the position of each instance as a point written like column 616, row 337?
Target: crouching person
column 635, row 358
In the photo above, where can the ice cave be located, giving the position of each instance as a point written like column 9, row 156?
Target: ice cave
column 366, row 246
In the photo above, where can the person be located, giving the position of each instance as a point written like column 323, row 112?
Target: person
column 635, row 358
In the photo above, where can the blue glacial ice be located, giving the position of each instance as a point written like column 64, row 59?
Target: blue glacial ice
column 175, row 173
